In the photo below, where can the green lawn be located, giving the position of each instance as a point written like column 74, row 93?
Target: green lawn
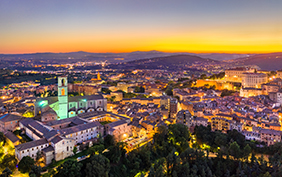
column 105, row 122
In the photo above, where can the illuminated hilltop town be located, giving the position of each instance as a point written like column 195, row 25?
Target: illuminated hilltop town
column 53, row 120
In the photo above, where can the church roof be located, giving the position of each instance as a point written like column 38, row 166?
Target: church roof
column 54, row 99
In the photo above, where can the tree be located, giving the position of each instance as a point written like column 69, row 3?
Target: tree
column 38, row 155
column 246, row 152
column 168, row 90
column 6, row 173
column 109, row 141
column 96, row 149
column 70, row 168
column 179, row 135
column 74, row 150
column 9, row 161
column 99, row 166
column 2, row 138
column 35, row 171
column 203, row 76
column 25, row 164
column 234, row 150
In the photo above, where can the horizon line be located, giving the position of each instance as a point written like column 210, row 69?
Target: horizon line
column 195, row 52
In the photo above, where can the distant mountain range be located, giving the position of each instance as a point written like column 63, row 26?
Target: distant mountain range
column 116, row 57
column 168, row 62
column 270, row 61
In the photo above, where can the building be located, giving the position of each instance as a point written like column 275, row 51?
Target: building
column 254, row 80
column 9, row 122
column 197, row 121
column 270, row 136
column 267, row 88
column 65, row 106
column 56, row 139
column 279, row 74
column 184, row 117
column 276, row 97
column 119, row 129
column 84, row 89
column 248, row 92
column 235, row 74
column 173, row 107
column 222, row 124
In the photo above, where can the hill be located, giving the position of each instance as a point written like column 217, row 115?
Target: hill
column 168, row 62
column 270, row 61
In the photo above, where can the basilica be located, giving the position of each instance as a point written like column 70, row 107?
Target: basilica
column 62, row 106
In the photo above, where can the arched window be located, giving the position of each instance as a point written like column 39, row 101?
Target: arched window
column 63, row 91
column 63, row 82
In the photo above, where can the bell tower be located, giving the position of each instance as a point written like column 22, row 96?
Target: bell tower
column 63, row 97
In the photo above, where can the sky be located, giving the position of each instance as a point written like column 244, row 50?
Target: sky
column 229, row 26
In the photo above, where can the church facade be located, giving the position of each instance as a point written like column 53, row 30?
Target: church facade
column 62, row 106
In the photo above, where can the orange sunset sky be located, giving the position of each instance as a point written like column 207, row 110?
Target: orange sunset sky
column 240, row 26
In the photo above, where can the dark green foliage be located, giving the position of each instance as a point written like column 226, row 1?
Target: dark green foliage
column 25, row 164
column 168, row 90
column 74, row 150
column 217, row 76
column 99, row 166
column 35, row 171
column 2, row 138
column 226, row 92
column 96, row 149
column 106, row 90
column 70, row 168
column 170, row 156
column 6, row 173
column 139, row 89
column 9, row 161
column 109, row 141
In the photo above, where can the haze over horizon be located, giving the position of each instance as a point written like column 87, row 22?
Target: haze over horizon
column 124, row 26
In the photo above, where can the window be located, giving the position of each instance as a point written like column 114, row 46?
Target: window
column 67, row 148
column 22, row 151
column 63, row 91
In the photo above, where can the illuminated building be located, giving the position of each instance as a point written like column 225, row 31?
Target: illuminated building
column 235, row 74
column 253, row 80
column 56, row 139
column 248, row 92
column 65, row 106
column 98, row 77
